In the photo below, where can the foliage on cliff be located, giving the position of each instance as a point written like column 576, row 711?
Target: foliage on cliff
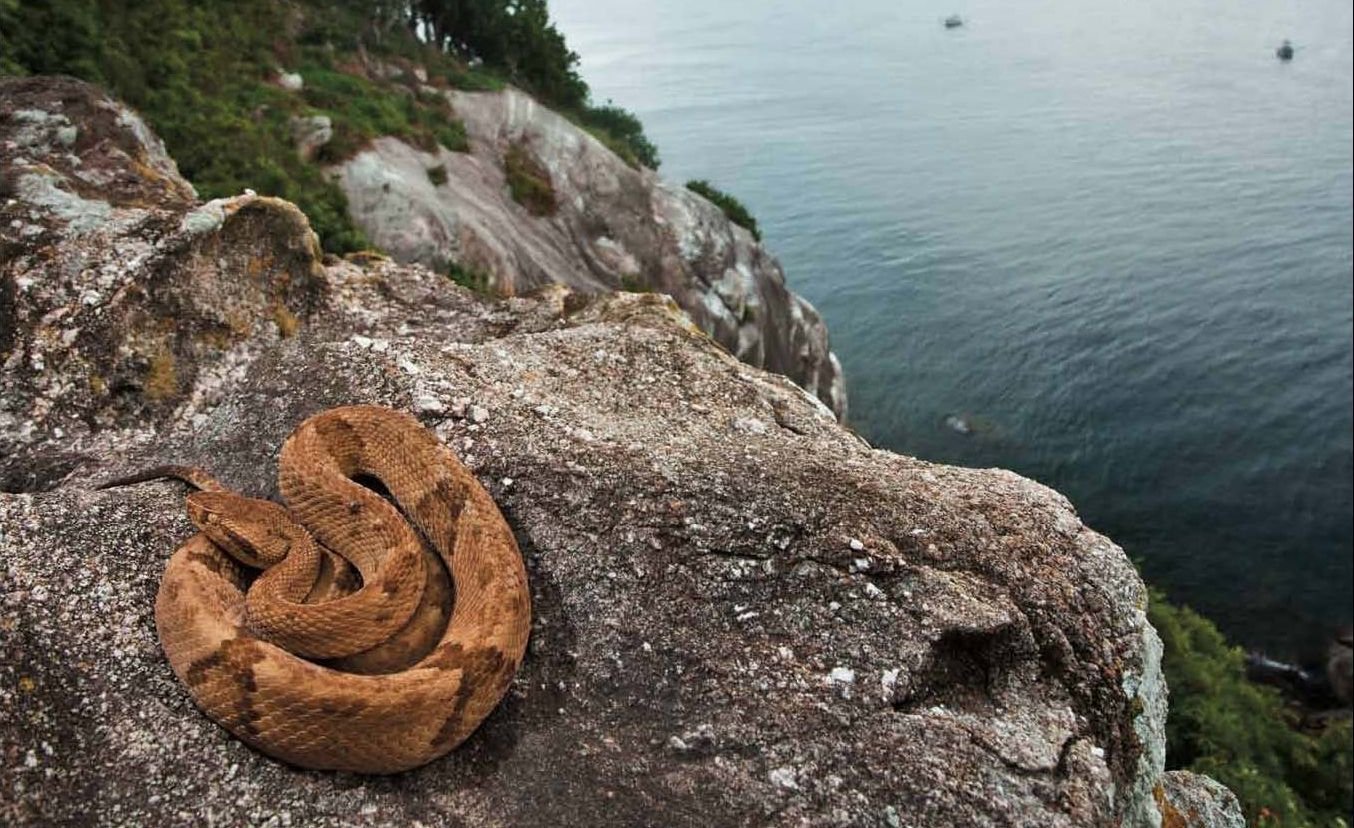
column 733, row 209
column 528, row 181
column 204, row 77
column 1243, row 735
column 514, row 37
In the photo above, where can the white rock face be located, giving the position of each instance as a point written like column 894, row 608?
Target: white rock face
column 615, row 228
column 291, row 81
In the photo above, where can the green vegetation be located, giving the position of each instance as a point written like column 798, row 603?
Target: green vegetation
column 631, row 283
column 199, row 75
column 438, row 175
column 362, row 109
column 515, row 40
column 515, row 37
column 732, row 207
column 203, row 75
column 1244, row 735
column 470, row 278
column 620, row 130
column 529, row 181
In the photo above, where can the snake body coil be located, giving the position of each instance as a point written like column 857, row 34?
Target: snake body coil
column 423, row 683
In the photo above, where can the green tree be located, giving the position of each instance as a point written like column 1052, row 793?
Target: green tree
column 1243, row 735
column 514, row 37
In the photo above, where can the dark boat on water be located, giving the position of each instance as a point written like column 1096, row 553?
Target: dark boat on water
column 954, row 21
column 1285, row 51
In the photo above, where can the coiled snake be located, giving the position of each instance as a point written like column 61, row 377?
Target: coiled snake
column 307, row 667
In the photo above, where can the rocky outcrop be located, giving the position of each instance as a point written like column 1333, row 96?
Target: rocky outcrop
column 743, row 614
column 613, row 228
column 1191, row 800
column 311, row 132
column 119, row 291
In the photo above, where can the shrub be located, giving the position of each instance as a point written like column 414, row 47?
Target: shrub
column 732, row 207
column 451, row 134
column 362, row 109
column 1243, row 734
column 621, row 131
column 528, row 181
column 463, row 77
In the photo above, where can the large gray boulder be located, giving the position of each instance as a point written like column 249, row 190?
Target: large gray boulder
column 743, row 613
column 613, row 228
column 1192, row 800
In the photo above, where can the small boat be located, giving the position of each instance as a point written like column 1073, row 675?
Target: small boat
column 954, row 21
column 1285, row 51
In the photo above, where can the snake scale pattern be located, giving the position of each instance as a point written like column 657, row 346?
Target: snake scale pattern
column 348, row 652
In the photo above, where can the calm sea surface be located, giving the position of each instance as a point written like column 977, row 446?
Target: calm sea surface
column 1114, row 238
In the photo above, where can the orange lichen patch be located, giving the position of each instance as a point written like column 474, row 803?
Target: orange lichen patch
column 162, row 379
column 257, row 266
column 141, row 166
column 1170, row 815
column 97, row 384
column 215, row 338
column 287, row 323
column 239, row 323
column 26, row 684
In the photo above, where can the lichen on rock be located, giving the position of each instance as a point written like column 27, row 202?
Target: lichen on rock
column 1191, row 800
column 744, row 614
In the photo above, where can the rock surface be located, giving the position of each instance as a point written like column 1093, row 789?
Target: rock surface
column 743, row 614
column 615, row 228
column 1190, row 800
column 311, row 132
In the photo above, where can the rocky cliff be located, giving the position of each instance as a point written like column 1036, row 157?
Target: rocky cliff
column 744, row 614
column 607, row 227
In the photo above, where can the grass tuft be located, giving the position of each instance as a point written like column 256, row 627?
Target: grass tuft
column 162, row 379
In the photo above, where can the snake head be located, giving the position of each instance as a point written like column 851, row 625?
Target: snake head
column 257, row 533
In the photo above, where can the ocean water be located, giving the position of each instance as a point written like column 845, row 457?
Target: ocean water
column 1114, row 239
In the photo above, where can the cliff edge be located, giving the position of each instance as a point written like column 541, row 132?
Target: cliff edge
column 744, row 614
column 595, row 225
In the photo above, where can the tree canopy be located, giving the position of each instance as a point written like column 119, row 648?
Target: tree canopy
column 515, row 37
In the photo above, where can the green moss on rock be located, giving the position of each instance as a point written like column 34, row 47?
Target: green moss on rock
column 528, row 180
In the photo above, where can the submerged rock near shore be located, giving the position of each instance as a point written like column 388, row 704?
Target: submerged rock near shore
column 744, row 614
